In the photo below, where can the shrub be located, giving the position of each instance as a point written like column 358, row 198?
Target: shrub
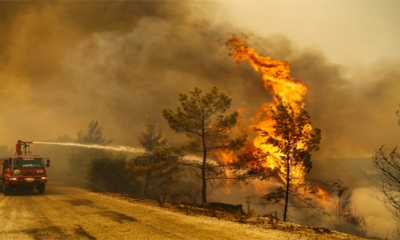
column 106, row 172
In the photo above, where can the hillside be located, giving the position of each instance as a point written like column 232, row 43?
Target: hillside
column 269, row 225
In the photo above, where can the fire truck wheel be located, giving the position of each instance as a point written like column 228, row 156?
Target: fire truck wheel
column 6, row 190
column 41, row 189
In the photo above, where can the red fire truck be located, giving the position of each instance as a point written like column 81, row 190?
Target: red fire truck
column 23, row 170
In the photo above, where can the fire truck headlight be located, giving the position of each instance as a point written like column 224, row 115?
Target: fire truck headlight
column 44, row 177
column 13, row 178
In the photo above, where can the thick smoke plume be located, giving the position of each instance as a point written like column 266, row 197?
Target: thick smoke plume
column 64, row 64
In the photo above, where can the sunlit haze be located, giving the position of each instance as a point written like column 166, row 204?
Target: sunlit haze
column 66, row 63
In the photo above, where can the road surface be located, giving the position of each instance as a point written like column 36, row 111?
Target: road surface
column 65, row 212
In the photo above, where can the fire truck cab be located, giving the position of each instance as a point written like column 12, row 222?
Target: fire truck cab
column 23, row 172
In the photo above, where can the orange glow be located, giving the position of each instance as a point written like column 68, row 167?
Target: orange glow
column 279, row 83
column 261, row 186
column 275, row 73
column 322, row 194
column 324, row 198
column 226, row 156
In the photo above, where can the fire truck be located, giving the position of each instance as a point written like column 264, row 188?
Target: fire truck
column 23, row 170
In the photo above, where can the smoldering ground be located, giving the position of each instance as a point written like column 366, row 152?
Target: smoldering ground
column 63, row 64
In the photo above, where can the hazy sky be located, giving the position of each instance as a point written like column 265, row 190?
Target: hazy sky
column 66, row 63
column 349, row 32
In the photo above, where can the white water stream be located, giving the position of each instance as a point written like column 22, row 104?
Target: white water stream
column 187, row 159
column 113, row 148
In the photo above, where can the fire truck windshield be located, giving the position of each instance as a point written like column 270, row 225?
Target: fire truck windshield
column 26, row 163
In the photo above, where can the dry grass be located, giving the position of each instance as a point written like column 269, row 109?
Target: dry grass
column 266, row 222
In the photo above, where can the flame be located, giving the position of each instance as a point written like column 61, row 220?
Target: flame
column 275, row 73
column 322, row 194
column 324, row 198
column 229, row 156
column 279, row 83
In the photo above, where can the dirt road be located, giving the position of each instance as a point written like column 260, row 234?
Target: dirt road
column 65, row 212
column 70, row 213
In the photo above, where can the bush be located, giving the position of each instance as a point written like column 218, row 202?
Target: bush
column 106, row 172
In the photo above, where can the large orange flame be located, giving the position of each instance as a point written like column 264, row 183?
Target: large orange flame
column 259, row 155
column 275, row 73
column 279, row 83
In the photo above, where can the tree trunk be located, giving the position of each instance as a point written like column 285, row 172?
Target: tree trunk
column 203, row 167
column 204, row 182
column 287, row 190
column 146, row 186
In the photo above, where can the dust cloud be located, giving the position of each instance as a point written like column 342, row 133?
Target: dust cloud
column 66, row 63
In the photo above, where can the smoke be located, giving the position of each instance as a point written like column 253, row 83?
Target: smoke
column 64, row 64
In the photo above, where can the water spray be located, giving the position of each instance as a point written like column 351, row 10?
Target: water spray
column 186, row 159
column 113, row 148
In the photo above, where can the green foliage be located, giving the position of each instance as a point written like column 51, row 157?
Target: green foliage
column 93, row 136
column 151, row 138
column 156, row 168
column 157, row 171
column 78, row 158
column 201, row 118
column 106, row 172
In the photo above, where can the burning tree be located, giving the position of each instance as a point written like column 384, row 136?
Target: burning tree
column 286, row 136
column 200, row 117
column 291, row 144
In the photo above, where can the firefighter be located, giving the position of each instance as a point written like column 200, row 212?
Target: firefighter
column 18, row 147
